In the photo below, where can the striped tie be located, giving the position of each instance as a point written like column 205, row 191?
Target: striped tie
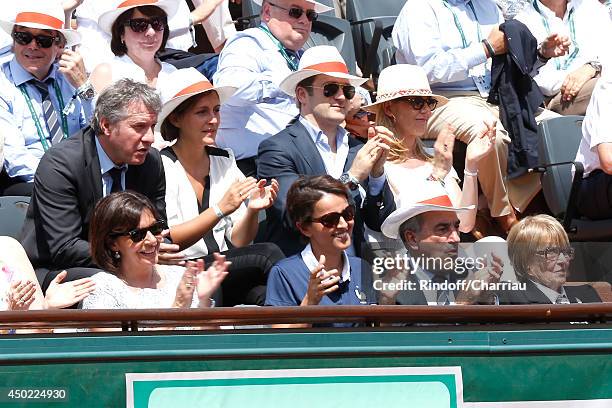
column 53, row 124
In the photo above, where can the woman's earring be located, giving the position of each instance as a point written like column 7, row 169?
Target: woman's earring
column 116, row 255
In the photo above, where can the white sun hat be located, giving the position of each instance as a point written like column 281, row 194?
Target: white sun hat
column 319, row 60
column 107, row 19
column 43, row 15
column 430, row 196
column 318, row 7
column 397, row 81
column 181, row 85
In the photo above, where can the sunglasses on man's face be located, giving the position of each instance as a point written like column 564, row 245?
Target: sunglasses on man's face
column 43, row 41
column 363, row 113
column 331, row 89
column 331, row 220
column 296, row 12
column 139, row 234
column 140, row 25
column 418, row 102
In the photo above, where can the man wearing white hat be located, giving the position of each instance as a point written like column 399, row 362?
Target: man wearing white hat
column 255, row 61
column 44, row 93
column 427, row 223
column 316, row 144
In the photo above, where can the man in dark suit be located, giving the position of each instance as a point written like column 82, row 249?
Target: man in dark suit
column 316, row 144
column 113, row 155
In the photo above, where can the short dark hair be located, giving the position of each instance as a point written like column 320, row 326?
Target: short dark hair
column 304, row 194
column 413, row 224
column 116, row 213
column 118, row 47
column 170, row 132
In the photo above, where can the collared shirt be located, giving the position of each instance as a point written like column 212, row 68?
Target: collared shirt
column 591, row 27
column 551, row 294
column 432, row 295
column 23, row 148
column 252, row 62
column 312, row 262
column 334, row 164
column 105, row 165
column 425, row 34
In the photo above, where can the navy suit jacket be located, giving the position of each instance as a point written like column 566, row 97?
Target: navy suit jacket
column 533, row 295
column 292, row 153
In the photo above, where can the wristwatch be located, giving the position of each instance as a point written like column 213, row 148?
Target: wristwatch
column 351, row 182
column 596, row 66
column 86, row 91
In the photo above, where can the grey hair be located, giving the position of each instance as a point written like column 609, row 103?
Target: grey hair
column 413, row 224
column 114, row 101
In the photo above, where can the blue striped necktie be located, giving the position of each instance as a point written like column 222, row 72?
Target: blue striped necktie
column 51, row 118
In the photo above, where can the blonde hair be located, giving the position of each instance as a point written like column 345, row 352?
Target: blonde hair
column 398, row 149
column 530, row 235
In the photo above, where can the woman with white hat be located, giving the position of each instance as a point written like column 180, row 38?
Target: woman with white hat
column 211, row 206
column 404, row 104
column 139, row 31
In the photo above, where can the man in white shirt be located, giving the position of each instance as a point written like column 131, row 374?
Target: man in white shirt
column 255, row 61
column 454, row 40
column 568, row 82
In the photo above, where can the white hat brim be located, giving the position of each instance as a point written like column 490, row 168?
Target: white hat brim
column 442, row 100
column 107, row 19
column 391, row 225
column 318, row 7
column 72, row 36
column 224, row 92
column 290, row 82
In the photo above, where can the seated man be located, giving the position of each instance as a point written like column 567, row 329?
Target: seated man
column 255, row 61
column 315, row 144
column 427, row 223
column 568, row 82
column 112, row 155
column 454, row 40
column 44, row 93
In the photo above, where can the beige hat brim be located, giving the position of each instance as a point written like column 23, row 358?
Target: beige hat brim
column 391, row 225
column 72, row 37
column 107, row 19
column 224, row 92
column 442, row 100
column 288, row 84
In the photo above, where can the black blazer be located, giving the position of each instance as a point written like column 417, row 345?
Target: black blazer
column 290, row 154
column 533, row 295
column 67, row 186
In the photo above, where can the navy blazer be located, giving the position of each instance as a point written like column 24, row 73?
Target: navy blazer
column 292, row 153
column 533, row 295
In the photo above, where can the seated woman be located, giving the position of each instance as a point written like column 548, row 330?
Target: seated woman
column 323, row 274
column 124, row 240
column 540, row 252
column 404, row 105
column 206, row 192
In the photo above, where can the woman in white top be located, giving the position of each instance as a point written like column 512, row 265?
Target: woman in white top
column 124, row 238
column 206, row 193
column 404, row 105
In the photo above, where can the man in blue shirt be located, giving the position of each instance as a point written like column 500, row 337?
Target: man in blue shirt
column 44, row 93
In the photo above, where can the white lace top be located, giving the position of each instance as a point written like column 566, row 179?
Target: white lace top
column 113, row 293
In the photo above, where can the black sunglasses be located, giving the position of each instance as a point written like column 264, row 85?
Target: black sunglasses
column 417, row 102
column 331, row 89
column 331, row 220
column 139, row 234
column 44, row 41
column 363, row 113
column 140, row 25
column 296, row 12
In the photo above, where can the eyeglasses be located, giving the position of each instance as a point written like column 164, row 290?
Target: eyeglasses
column 296, row 12
column 139, row 234
column 140, row 25
column 417, row 102
column 552, row 253
column 363, row 113
column 43, row 41
column 332, row 219
column 331, row 89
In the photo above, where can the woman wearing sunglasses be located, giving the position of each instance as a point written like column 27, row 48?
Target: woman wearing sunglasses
column 125, row 234
column 138, row 33
column 404, row 105
column 323, row 273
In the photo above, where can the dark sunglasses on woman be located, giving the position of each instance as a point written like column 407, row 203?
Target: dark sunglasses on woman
column 417, row 102
column 331, row 89
column 140, row 25
column 296, row 12
column 331, row 220
column 139, row 234
column 43, row 41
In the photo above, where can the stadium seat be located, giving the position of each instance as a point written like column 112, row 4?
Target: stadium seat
column 372, row 23
column 12, row 214
column 559, row 141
